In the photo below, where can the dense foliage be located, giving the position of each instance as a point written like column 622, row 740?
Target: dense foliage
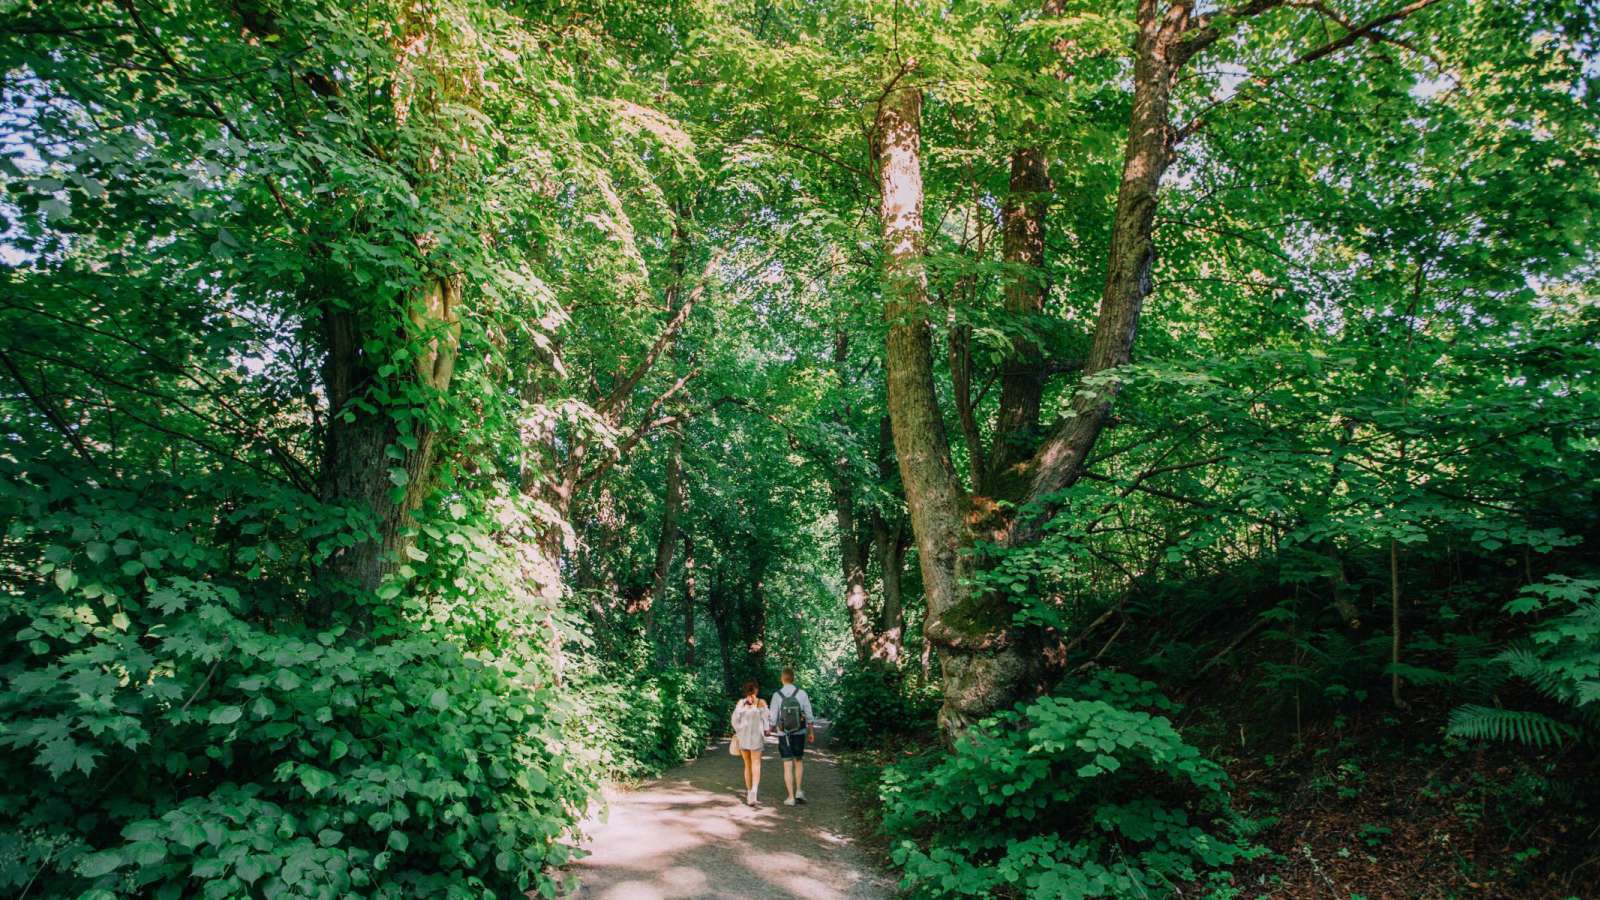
column 414, row 413
column 1078, row 794
column 874, row 704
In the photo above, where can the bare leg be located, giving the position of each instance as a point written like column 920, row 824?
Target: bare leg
column 748, row 783
column 788, row 777
column 799, row 778
column 754, row 757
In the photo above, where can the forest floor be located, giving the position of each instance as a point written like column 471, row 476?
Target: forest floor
column 690, row 834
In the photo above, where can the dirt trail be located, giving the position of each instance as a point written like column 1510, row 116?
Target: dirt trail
column 689, row 834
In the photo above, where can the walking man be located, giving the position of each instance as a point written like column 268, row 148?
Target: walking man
column 790, row 715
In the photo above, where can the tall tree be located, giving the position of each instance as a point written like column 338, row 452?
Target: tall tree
column 989, row 660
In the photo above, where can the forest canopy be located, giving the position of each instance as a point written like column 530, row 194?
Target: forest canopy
column 1136, row 421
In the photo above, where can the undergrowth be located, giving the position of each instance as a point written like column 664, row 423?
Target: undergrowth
column 1089, row 792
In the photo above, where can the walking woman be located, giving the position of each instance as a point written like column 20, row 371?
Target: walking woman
column 749, row 727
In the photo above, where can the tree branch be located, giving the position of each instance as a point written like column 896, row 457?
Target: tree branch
column 646, row 425
column 1367, row 30
column 50, row 413
column 616, row 403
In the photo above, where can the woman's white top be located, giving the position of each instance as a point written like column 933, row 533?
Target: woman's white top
column 749, row 724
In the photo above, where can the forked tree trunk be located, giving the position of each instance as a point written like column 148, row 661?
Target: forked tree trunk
column 986, row 662
column 982, row 672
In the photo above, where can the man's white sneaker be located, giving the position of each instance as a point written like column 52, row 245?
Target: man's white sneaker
column 789, row 802
column 800, row 797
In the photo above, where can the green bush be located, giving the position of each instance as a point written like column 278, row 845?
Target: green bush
column 645, row 726
column 170, row 729
column 1068, row 796
column 874, row 703
column 1559, row 658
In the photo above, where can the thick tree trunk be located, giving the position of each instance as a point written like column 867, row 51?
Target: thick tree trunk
column 933, row 494
column 983, row 670
column 987, row 663
column 357, row 468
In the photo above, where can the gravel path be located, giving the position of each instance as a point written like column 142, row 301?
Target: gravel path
column 689, row 834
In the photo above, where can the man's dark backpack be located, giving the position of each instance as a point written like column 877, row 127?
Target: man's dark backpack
column 791, row 717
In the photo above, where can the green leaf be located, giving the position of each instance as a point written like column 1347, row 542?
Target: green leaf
column 189, row 834
column 147, row 853
column 249, row 869
column 63, row 754
column 315, row 780
column 97, row 864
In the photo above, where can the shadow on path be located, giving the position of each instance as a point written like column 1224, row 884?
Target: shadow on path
column 689, row 834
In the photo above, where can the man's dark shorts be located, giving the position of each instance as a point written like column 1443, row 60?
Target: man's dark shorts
column 791, row 746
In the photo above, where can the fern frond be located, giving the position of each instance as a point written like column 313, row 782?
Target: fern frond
column 1486, row 723
column 1538, row 670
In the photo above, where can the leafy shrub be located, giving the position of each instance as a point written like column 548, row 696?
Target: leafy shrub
column 645, row 726
column 1068, row 796
column 871, row 703
column 1561, row 660
column 170, row 729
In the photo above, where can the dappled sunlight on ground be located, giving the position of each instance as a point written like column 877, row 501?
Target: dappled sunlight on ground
column 689, row 834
